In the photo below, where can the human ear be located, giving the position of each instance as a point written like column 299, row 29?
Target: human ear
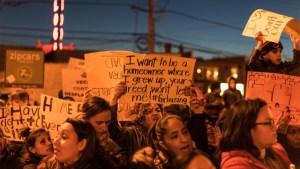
column 32, row 150
column 82, row 144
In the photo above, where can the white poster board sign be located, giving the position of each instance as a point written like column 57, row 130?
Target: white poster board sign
column 271, row 25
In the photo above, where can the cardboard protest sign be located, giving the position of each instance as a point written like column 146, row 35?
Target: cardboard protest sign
column 280, row 91
column 75, row 63
column 271, row 25
column 74, row 83
column 125, row 110
column 56, row 111
column 104, row 71
column 157, row 79
column 14, row 119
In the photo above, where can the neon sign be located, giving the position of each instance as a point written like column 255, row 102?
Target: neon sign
column 58, row 21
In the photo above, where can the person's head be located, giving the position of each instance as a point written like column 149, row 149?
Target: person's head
column 193, row 160
column 248, row 125
column 232, row 83
column 69, row 98
column 76, row 143
column 2, row 141
column 215, row 87
column 96, row 110
column 173, row 136
column 38, row 142
column 148, row 114
column 19, row 98
column 60, row 94
column 178, row 109
column 272, row 51
column 293, row 136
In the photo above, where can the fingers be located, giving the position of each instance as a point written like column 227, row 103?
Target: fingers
column 88, row 91
column 258, row 34
column 144, row 155
column 87, row 94
column 295, row 40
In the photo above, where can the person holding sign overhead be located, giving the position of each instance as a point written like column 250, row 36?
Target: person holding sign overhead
column 133, row 136
column 267, row 56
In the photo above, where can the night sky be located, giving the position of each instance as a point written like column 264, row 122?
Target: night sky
column 210, row 28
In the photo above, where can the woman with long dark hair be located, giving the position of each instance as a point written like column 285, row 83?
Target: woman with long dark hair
column 249, row 138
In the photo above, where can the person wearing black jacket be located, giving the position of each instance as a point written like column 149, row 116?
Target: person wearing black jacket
column 267, row 56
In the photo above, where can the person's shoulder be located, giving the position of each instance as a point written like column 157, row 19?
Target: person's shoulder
column 238, row 91
column 278, row 148
column 236, row 160
column 226, row 91
column 240, row 159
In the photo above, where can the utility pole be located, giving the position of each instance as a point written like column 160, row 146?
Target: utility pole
column 151, row 26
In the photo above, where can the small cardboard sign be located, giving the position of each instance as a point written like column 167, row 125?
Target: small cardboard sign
column 271, row 25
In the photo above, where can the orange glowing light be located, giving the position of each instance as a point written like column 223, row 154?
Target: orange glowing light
column 58, row 21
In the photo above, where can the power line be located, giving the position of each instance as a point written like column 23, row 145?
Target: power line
column 135, row 7
column 18, row 2
column 192, row 17
column 187, row 45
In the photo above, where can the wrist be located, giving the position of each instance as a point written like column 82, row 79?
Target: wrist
column 259, row 45
column 113, row 101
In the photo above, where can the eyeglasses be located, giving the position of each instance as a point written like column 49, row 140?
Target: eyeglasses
column 271, row 123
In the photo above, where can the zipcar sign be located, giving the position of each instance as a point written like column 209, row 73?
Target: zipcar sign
column 24, row 68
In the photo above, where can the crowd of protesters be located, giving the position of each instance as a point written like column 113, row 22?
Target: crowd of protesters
column 213, row 131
